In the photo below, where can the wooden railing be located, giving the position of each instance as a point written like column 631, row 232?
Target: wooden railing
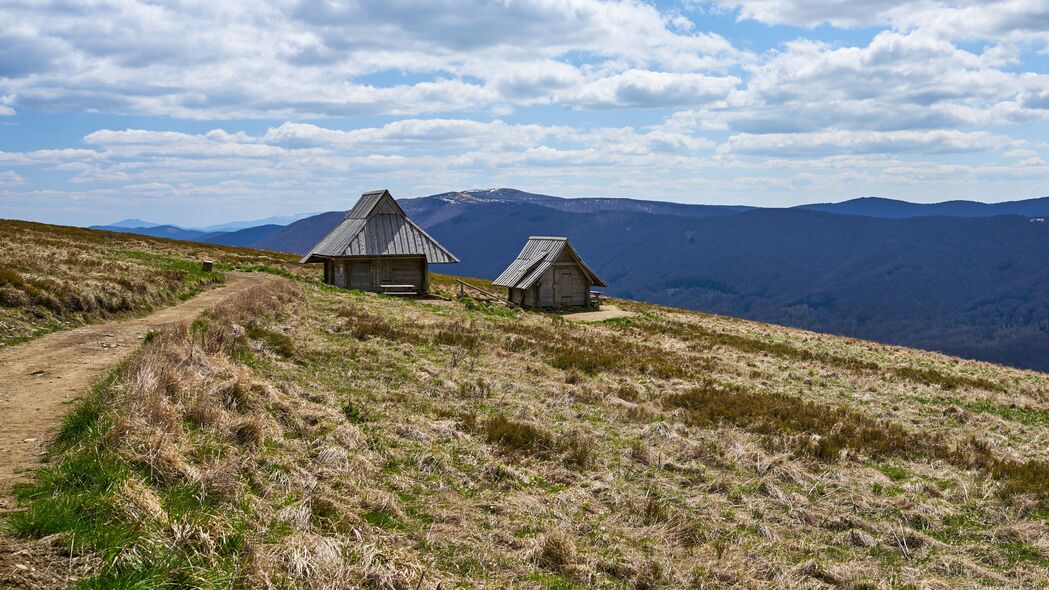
column 463, row 285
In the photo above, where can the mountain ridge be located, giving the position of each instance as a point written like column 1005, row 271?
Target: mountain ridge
column 971, row 285
column 898, row 209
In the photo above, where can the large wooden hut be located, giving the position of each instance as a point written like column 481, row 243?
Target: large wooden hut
column 377, row 248
column 549, row 273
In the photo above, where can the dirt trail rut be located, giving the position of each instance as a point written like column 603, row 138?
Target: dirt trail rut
column 40, row 377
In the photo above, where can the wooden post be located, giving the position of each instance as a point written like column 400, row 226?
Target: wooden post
column 207, row 265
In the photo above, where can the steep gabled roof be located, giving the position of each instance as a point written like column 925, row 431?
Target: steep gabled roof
column 536, row 257
column 377, row 226
column 371, row 201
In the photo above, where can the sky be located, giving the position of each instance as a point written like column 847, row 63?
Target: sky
column 200, row 112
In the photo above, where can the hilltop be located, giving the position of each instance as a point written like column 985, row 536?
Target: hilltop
column 54, row 277
column 305, row 436
column 959, row 277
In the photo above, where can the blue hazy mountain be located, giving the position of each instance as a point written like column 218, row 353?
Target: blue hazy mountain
column 279, row 220
column 893, row 209
column 247, row 237
column 160, row 231
column 132, row 222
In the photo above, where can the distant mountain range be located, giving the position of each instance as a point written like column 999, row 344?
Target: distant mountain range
column 130, row 223
column 966, row 278
column 892, row 209
column 234, row 233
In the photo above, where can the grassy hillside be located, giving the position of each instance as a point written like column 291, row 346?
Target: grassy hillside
column 973, row 286
column 307, row 437
column 53, row 277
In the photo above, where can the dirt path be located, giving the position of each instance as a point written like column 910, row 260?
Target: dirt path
column 607, row 312
column 39, row 378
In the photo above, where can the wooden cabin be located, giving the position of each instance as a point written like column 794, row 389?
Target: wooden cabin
column 376, row 247
column 549, row 273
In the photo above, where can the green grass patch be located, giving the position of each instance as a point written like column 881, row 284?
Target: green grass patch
column 894, row 472
column 280, row 344
column 1027, row 416
column 79, row 495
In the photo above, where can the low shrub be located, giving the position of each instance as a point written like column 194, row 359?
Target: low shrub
column 279, row 343
column 832, row 429
column 556, row 551
column 578, row 449
column 249, row 432
column 713, row 402
column 573, row 376
column 458, row 334
column 361, row 325
column 567, row 347
column 518, row 437
column 574, row 448
column 353, row 413
column 752, row 345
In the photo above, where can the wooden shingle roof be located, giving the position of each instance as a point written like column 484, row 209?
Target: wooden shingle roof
column 535, row 258
column 377, row 226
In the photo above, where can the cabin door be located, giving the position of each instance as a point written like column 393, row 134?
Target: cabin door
column 338, row 271
column 567, row 287
column 361, row 275
column 386, row 272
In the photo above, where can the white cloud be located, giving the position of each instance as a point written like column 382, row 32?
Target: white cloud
column 10, row 178
column 824, row 143
column 897, row 82
column 639, row 88
column 428, row 96
column 312, row 58
column 809, row 13
column 996, row 20
column 413, row 133
column 297, row 166
column 5, row 105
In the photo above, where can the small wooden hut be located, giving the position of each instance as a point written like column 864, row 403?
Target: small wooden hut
column 549, row 273
column 377, row 248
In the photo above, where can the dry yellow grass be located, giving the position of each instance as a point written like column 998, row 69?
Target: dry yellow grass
column 310, row 437
column 54, row 277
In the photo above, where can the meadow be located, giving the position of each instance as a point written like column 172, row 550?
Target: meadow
column 302, row 436
column 55, row 277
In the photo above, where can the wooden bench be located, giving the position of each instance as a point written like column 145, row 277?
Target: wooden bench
column 404, row 290
column 595, row 299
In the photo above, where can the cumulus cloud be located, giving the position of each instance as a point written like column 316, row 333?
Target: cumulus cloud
column 314, row 58
column 299, row 166
column 582, row 96
column 896, row 82
column 809, row 13
column 954, row 19
column 639, row 88
column 5, row 105
column 862, row 142
column 1035, row 99
column 10, row 178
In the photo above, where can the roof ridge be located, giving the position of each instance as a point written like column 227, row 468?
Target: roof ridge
column 367, row 203
column 367, row 232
